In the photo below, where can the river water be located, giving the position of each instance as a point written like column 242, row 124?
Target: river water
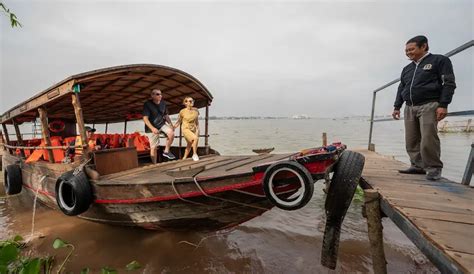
column 276, row 242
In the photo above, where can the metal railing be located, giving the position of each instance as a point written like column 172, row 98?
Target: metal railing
column 457, row 113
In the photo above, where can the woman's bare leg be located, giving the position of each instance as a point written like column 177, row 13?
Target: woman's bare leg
column 195, row 143
column 186, row 151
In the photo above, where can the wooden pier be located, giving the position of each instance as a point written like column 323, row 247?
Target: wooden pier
column 437, row 216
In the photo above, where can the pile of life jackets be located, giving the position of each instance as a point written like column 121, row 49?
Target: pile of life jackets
column 106, row 141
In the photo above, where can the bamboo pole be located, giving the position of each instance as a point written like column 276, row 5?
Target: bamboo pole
column 206, row 129
column 76, row 103
column 45, row 132
column 374, row 224
column 18, row 137
column 325, row 139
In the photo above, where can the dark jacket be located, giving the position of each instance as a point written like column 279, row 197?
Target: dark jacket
column 432, row 80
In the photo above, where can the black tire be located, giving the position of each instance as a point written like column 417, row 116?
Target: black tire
column 12, row 179
column 345, row 180
column 304, row 177
column 73, row 193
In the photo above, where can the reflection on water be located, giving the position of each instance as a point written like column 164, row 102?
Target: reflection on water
column 276, row 242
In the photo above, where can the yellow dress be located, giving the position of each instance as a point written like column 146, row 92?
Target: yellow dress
column 189, row 120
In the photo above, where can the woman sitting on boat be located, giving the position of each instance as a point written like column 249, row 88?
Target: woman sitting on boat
column 188, row 119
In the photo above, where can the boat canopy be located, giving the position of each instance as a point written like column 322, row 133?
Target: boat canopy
column 114, row 94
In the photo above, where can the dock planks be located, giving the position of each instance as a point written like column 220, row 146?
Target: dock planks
column 437, row 216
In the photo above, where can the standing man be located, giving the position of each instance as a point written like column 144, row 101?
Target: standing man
column 155, row 116
column 427, row 86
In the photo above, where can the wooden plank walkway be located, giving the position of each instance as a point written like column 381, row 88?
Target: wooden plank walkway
column 437, row 216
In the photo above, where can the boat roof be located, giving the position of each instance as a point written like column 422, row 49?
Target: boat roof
column 112, row 94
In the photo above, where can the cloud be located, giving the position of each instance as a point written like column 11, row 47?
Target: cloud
column 266, row 58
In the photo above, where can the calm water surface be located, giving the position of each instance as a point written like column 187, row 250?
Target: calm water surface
column 276, row 242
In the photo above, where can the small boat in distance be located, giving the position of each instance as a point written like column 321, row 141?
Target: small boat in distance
column 119, row 185
column 300, row 117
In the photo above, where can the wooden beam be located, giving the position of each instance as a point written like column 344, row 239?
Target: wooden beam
column 119, row 103
column 117, row 80
column 45, row 132
column 76, row 103
column 18, row 137
column 206, row 130
column 7, row 138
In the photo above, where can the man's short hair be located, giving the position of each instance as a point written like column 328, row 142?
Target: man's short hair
column 419, row 40
column 155, row 89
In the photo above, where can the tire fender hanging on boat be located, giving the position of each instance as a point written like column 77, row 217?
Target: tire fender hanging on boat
column 12, row 179
column 347, row 173
column 73, row 193
column 304, row 194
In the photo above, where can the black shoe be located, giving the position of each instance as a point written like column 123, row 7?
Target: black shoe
column 169, row 155
column 413, row 170
column 434, row 175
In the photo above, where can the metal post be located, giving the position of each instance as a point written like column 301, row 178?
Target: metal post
column 106, row 127
column 369, row 147
column 125, row 128
column 466, row 178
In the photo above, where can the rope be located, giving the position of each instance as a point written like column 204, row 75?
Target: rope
column 181, row 198
column 223, row 199
column 43, row 147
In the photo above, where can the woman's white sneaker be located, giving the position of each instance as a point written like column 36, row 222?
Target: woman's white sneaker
column 195, row 157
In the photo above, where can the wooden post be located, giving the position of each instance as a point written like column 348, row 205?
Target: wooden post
column 45, row 132
column 180, row 141
column 206, row 129
column 374, row 224
column 125, row 128
column 372, row 147
column 5, row 138
column 76, row 103
column 325, row 139
column 468, row 125
column 106, row 127
column 18, row 138
column 466, row 178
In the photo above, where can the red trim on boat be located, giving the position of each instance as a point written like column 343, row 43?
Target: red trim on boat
column 174, row 197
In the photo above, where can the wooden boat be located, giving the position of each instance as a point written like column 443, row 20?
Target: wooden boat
column 119, row 185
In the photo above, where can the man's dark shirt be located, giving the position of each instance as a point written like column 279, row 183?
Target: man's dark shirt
column 156, row 113
column 432, row 80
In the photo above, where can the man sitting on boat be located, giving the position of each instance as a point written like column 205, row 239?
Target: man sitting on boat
column 93, row 142
column 155, row 116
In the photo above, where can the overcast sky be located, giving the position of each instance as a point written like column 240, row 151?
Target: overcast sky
column 267, row 58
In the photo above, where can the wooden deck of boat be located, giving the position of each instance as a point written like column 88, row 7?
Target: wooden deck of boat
column 437, row 216
column 207, row 166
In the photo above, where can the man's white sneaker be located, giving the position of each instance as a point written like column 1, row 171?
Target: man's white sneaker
column 195, row 157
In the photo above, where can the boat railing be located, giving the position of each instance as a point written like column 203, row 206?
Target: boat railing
column 470, row 162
